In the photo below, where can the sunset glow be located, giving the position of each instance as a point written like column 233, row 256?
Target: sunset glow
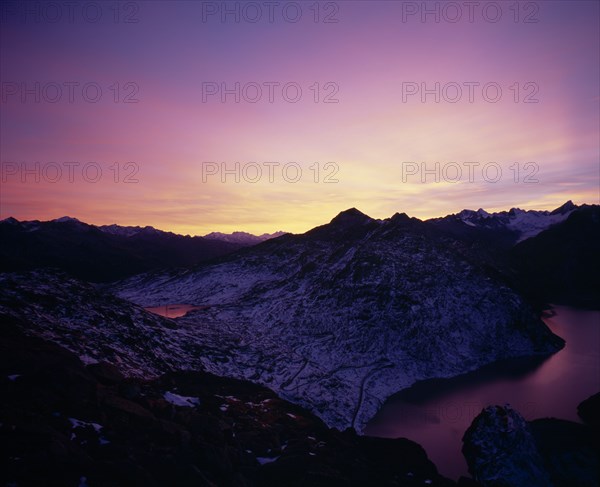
column 367, row 61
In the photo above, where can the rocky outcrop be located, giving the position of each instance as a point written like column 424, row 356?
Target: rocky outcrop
column 504, row 450
column 501, row 450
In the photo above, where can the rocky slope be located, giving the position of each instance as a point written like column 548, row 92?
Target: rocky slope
column 343, row 316
column 63, row 423
column 561, row 264
column 109, row 252
column 97, row 326
column 547, row 256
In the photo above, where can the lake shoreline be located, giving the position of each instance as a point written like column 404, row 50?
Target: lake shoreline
column 435, row 413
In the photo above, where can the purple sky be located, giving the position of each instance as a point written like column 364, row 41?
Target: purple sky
column 369, row 136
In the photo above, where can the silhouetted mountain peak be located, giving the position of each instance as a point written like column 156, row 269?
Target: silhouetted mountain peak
column 100, row 254
column 351, row 216
column 565, row 208
column 66, row 219
column 244, row 238
column 400, row 217
column 472, row 214
column 10, row 220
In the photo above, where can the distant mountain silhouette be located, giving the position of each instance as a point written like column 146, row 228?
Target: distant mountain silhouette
column 242, row 238
column 100, row 254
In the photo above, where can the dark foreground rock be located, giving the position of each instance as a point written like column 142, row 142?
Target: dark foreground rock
column 64, row 423
column 589, row 410
column 570, row 451
column 500, row 450
column 504, row 450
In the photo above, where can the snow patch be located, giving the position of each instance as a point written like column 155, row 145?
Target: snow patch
column 182, row 401
column 77, row 423
column 265, row 460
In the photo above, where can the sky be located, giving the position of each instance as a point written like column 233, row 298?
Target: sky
column 195, row 117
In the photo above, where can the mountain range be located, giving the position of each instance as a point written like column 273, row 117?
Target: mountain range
column 511, row 226
column 243, row 238
column 108, row 252
column 339, row 318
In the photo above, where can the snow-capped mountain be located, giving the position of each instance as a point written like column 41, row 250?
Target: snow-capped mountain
column 243, row 238
column 561, row 264
column 110, row 252
column 341, row 317
column 518, row 224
